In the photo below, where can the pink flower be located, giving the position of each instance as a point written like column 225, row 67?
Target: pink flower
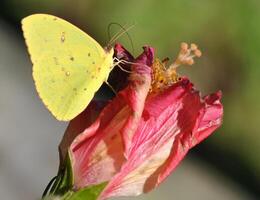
column 140, row 137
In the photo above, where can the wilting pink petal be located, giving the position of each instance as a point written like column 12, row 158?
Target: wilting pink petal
column 122, row 54
column 208, row 120
column 97, row 153
column 77, row 126
column 172, row 122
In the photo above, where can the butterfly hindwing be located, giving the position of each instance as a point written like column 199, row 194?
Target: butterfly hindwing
column 68, row 65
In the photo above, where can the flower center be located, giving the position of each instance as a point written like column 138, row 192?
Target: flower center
column 164, row 76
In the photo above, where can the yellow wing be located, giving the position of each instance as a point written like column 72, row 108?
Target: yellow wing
column 68, row 65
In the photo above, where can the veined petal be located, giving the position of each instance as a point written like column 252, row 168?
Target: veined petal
column 170, row 122
column 78, row 125
column 208, row 120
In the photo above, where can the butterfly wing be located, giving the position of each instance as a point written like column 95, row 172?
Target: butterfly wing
column 68, row 65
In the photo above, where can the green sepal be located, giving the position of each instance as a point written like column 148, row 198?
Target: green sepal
column 66, row 182
column 90, row 193
column 63, row 181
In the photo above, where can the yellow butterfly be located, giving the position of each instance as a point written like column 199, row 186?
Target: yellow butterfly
column 68, row 65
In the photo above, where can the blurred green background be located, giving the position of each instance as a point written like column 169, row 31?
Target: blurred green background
column 227, row 32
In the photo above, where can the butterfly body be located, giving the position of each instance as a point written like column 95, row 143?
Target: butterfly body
column 68, row 65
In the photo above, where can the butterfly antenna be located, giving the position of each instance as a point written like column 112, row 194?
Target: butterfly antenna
column 119, row 34
column 109, row 30
column 115, row 35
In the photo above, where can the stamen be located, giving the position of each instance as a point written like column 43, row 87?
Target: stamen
column 163, row 77
column 193, row 47
column 186, row 55
column 197, row 53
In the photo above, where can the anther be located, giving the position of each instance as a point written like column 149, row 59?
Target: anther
column 184, row 46
column 197, row 53
column 190, row 61
column 193, row 47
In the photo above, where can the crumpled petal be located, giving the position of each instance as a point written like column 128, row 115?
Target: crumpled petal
column 77, row 126
column 98, row 152
column 172, row 123
column 208, row 120
column 122, row 54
